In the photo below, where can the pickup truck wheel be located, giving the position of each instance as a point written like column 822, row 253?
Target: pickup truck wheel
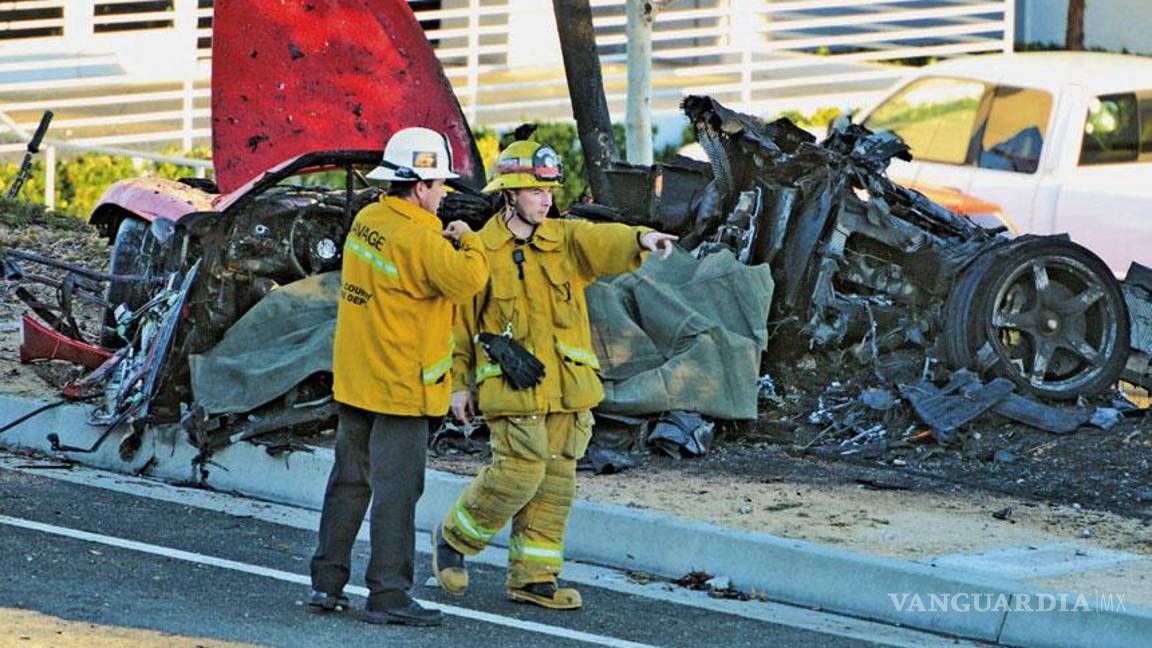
column 1045, row 313
column 132, row 252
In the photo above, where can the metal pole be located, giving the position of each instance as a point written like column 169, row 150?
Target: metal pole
column 586, row 88
column 186, row 35
column 739, row 18
column 638, row 122
column 186, row 140
column 1010, row 26
column 50, row 177
column 473, row 60
column 78, row 23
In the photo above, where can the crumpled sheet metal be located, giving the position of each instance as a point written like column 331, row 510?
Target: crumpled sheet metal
column 945, row 411
column 1137, row 289
column 825, row 209
column 290, row 78
column 40, row 342
column 863, row 268
column 1038, row 415
column 965, row 399
column 679, row 434
column 602, row 461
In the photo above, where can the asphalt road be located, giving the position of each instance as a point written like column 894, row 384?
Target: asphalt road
column 82, row 565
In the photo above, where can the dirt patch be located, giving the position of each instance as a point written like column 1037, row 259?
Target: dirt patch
column 63, row 239
column 860, row 508
column 40, row 381
column 34, row 629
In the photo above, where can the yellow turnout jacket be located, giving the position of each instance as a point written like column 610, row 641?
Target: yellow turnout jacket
column 541, row 302
column 393, row 348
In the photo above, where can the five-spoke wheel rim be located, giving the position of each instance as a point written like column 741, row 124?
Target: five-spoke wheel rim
column 1052, row 323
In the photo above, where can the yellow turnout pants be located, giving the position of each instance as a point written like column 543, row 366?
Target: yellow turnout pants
column 532, row 479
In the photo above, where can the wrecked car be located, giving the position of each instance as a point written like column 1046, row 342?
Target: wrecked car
column 901, row 292
column 301, row 108
column 867, row 265
column 203, row 272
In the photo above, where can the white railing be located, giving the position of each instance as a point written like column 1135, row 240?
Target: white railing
column 116, row 72
column 67, row 56
column 50, row 148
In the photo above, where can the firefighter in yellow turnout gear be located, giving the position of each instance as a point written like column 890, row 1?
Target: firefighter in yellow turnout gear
column 539, row 268
column 392, row 354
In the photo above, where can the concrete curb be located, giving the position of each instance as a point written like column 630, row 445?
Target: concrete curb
column 802, row 573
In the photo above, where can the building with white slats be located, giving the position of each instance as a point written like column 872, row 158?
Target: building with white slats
column 135, row 73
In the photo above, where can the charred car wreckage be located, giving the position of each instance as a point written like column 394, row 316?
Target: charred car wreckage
column 220, row 298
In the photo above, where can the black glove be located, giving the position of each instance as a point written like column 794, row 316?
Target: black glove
column 519, row 366
column 474, row 209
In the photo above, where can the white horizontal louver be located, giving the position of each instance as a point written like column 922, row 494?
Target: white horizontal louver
column 31, row 19
column 746, row 53
column 132, row 15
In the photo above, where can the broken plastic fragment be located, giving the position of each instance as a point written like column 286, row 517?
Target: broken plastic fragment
column 682, row 433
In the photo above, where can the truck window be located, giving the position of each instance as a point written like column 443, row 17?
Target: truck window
column 935, row 116
column 1014, row 133
column 1145, row 101
column 1111, row 130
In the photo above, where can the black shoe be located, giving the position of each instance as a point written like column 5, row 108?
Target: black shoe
column 412, row 614
column 325, row 602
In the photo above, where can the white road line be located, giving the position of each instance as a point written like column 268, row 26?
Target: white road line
column 299, row 579
column 594, row 576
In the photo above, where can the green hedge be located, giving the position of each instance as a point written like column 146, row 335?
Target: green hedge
column 564, row 137
column 82, row 179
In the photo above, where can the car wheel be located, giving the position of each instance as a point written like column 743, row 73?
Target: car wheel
column 132, row 254
column 1043, row 312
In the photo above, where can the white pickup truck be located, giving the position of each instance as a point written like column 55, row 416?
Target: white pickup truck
column 1047, row 142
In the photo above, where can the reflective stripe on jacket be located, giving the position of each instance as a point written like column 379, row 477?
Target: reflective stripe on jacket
column 400, row 278
column 545, row 310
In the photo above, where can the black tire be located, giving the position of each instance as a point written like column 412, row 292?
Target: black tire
column 955, row 338
column 133, row 250
column 1043, row 312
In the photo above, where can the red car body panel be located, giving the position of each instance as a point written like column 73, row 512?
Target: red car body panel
column 40, row 342
column 152, row 198
column 291, row 77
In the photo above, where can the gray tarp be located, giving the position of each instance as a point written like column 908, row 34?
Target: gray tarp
column 283, row 339
column 682, row 334
column 679, row 334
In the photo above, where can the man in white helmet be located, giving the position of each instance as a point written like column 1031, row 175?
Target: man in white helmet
column 402, row 273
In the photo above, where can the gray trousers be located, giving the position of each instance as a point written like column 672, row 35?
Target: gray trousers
column 380, row 461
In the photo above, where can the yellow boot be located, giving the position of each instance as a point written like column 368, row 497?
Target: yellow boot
column 547, row 595
column 448, row 564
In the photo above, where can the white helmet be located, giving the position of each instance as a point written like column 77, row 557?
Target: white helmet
column 415, row 154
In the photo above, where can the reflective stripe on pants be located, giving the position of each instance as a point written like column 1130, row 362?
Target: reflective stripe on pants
column 532, row 481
